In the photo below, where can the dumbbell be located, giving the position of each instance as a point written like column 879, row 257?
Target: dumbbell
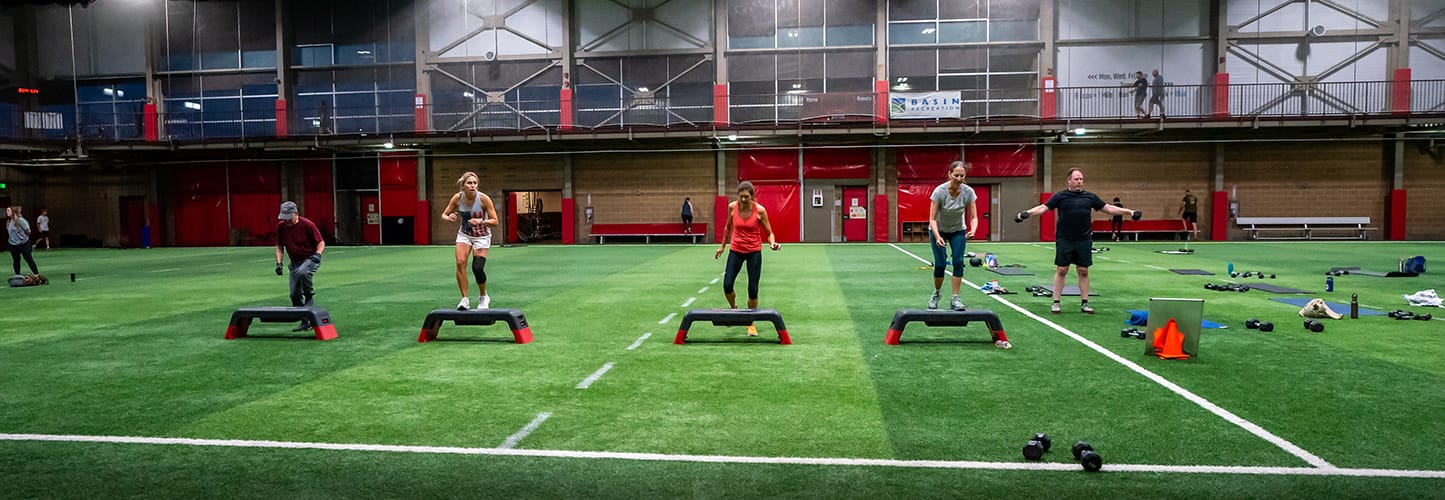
column 1085, row 454
column 1314, row 325
column 1251, row 323
column 1132, row 332
column 975, row 262
column 1037, row 446
column 1260, row 275
column 1244, row 288
column 1271, row 275
column 1423, row 317
column 1234, row 275
column 1265, row 326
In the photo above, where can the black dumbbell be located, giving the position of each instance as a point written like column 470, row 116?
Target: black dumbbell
column 1234, row 275
column 975, row 262
column 1244, row 288
column 1085, row 454
column 1314, row 325
column 1251, row 323
column 1423, row 317
column 1265, row 326
column 1260, row 275
column 1132, row 332
column 1271, row 275
column 1037, row 446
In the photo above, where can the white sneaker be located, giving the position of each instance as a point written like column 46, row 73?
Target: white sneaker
column 956, row 304
column 933, row 301
column 1003, row 344
column 464, row 304
column 484, row 302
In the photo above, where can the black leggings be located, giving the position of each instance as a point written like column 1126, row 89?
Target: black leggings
column 736, row 259
column 23, row 249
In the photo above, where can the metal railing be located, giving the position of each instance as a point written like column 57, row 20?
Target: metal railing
column 789, row 110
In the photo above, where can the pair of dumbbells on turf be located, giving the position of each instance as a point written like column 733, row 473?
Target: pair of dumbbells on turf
column 1338, row 272
column 1250, row 274
column 1132, row 332
column 1255, row 324
column 1231, row 287
column 1403, row 315
column 1083, row 452
column 1314, row 325
column 1186, row 250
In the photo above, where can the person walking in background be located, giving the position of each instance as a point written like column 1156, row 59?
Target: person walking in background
column 474, row 236
column 687, row 215
column 1156, row 96
column 742, row 238
column 1116, row 224
column 1140, row 87
column 302, row 241
column 43, row 222
column 1074, row 235
column 19, row 237
column 1189, row 211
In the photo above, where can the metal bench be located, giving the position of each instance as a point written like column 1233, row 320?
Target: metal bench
column 1304, row 228
column 320, row 320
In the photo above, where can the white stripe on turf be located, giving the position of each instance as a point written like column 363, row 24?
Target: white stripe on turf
column 702, row 291
column 1308, row 457
column 513, row 439
column 639, row 340
column 689, row 301
column 714, row 280
column 506, row 449
column 1155, row 267
column 166, row 270
column 664, row 321
column 587, row 382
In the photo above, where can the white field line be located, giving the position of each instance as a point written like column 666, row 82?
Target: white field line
column 689, row 301
column 668, row 318
column 264, row 260
column 714, row 280
column 1151, row 266
column 513, row 439
column 1122, row 261
column 507, row 450
column 587, row 382
column 217, row 264
column 1293, row 449
column 702, row 291
column 165, row 270
column 639, row 341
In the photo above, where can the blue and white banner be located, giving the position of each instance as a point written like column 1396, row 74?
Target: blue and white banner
column 943, row 104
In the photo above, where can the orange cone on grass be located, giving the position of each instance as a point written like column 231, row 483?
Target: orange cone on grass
column 1169, row 342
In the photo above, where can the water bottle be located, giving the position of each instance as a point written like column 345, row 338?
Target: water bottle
column 1354, row 306
column 1329, row 283
column 1231, row 268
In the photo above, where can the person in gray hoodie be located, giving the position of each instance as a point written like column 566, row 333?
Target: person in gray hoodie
column 20, row 245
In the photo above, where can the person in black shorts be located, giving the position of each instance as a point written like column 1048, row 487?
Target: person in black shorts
column 1116, row 224
column 1189, row 211
column 1073, row 233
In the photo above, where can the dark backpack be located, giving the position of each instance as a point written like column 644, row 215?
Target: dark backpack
column 1414, row 264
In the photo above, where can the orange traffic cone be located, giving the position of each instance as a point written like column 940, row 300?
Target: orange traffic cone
column 1172, row 347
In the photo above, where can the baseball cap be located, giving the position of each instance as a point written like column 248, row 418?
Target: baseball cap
column 288, row 209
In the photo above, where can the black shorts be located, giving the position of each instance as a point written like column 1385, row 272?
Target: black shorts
column 1191, row 217
column 1078, row 253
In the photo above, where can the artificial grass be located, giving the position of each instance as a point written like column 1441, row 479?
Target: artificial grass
column 135, row 348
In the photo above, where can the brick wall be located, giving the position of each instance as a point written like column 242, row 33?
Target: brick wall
column 495, row 174
column 1150, row 178
column 1315, row 179
column 1425, row 186
column 644, row 187
column 85, row 201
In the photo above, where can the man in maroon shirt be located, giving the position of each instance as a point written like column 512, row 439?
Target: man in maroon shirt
column 303, row 243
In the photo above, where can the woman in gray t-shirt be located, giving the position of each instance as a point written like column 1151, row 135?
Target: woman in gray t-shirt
column 952, row 219
column 19, row 231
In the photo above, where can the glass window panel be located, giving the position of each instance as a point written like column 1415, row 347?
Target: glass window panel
column 850, row 12
column 220, row 60
column 257, row 21
column 650, row 72
column 962, row 9
column 851, row 64
column 1014, row 9
column 690, row 94
column 849, row 84
column 94, row 93
column 182, row 87
column 962, row 60
column 1007, row 60
column 807, row 36
column 912, row 63
column 752, row 67
column 313, row 55
column 962, row 82
column 394, row 102
column 751, row 18
column 752, row 88
column 899, row 10
column 1017, row 108
column 134, row 90
column 221, row 109
column 796, row 13
column 357, row 79
column 355, row 125
column 906, row 33
column 258, row 59
column 1014, row 31
column 363, row 104
column 963, row 32
column 355, row 54
column 850, row 35
column 598, row 96
column 751, row 42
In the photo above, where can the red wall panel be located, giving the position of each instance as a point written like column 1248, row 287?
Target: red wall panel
column 851, row 163
column 781, row 200
column 255, row 200
column 913, row 202
column 320, row 204
column 768, row 165
column 200, row 194
column 926, row 163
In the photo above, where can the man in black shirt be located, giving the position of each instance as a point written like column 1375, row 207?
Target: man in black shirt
column 1073, row 234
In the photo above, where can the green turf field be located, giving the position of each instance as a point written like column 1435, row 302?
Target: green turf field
column 134, row 349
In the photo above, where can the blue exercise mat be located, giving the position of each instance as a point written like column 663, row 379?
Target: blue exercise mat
column 1334, row 306
column 1141, row 318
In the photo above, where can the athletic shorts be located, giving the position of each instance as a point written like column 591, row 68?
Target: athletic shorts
column 475, row 241
column 1191, row 217
column 1078, row 253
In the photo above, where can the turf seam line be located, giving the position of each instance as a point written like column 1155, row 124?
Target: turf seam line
column 1228, row 416
column 639, row 340
column 1069, row 467
column 689, row 301
column 513, row 439
column 669, row 317
column 587, row 382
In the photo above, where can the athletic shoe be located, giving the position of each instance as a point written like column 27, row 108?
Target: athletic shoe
column 1002, row 344
column 1054, row 308
column 1084, row 308
column 955, row 304
column 933, row 301
column 752, row 331
column 484, row 302
column 464, row 304
column 302, row 327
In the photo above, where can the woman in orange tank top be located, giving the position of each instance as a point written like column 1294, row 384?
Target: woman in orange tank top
column 743, row 239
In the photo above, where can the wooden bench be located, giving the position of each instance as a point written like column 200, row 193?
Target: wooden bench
column 1304, row 228
column 646, row 231
column 1137, row 227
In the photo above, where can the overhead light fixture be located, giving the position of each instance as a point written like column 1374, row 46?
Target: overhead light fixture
column 642, row 89
column 902, row 79
column 732, row 137
column 192, row 105
column 903, row 86
column 468, row 94
column 1079, row 131
column 929, row 31
column 388, row 144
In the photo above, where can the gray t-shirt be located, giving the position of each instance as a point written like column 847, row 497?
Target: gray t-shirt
column 19, row 231
column 952, row 209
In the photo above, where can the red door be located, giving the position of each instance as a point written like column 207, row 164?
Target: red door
column 370, row 211
column 855, row 214
column 132, row 217
column 982, row 205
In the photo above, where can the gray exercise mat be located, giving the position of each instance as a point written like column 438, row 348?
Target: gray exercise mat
column 1274, row 288
column 1192, row 272
column 1069, row 290
column 1363, row 272
column 1009, row 271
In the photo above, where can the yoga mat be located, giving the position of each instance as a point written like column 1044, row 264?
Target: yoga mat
column 1343, row 309
column 1009, row 271
column 1192, row 272
column 1275, row 289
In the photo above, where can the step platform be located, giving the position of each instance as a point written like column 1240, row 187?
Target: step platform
column 942, row 318
column 320, row 320
column 733, row 317
column 521, row 332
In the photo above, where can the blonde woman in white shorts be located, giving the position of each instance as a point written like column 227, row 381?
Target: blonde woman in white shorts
column 478, row 216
